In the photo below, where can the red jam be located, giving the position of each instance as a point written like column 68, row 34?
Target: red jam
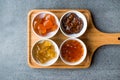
column 72, row 51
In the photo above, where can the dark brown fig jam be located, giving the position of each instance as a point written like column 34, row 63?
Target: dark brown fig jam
column 71, row 23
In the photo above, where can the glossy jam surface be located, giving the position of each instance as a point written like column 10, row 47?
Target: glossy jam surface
column 44, row 51
column 71, row 23
column 72, row 51
column 44, row 23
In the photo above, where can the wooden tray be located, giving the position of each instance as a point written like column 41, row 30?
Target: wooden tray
column 93, row 39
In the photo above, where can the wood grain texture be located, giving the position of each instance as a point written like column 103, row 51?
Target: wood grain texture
column 93, row 39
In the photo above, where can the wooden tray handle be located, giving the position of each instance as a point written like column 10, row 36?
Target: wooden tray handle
column 101, row 38
column 111, row 38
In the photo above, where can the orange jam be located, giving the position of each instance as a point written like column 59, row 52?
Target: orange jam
column 72, row 51
column 44, row 23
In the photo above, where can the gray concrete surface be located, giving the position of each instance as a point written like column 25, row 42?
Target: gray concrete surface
column 13, row 40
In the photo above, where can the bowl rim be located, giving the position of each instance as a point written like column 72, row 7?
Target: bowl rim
column 81, row 59
column 80, row 15
column 50, row 34
column 53, row 60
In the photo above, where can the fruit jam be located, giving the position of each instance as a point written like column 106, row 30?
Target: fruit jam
column 44, row 23
column 72, row 51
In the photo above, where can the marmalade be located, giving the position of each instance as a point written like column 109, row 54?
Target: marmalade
column 72, row 51
column 44, row 23
column 44, row 51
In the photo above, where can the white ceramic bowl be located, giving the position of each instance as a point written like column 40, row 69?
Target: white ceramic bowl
column 50, row 62
column 81, row 59
column 50, row 34
column 80, row 15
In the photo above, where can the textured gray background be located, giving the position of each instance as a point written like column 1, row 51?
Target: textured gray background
column 13, row 41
